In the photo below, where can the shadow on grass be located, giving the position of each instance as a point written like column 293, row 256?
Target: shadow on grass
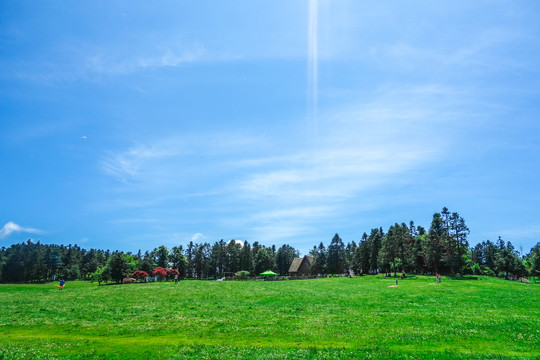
column 114, row 283
column 462, row 277
column 134, row 283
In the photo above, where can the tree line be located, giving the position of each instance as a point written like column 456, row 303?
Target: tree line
column 443, row 248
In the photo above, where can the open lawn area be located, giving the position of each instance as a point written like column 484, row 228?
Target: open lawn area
column 339, row 318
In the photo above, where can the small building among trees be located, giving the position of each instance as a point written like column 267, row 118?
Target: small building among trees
column 301, row 266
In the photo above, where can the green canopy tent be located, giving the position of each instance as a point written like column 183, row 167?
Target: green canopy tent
column 269, row 273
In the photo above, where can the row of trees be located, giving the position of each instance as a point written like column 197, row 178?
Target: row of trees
column 443, row 248
column 36, row 262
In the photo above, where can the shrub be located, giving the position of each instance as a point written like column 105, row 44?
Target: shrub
column 73, row 273
column 241, row 275
column 159, row 272
column 140, row 275
column 172, row 272
column 487, row 271
column 476, row 270
column 100, row 275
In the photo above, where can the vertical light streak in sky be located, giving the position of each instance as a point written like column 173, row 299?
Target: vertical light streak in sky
column 312, row 68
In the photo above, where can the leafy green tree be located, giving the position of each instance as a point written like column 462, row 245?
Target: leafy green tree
column 13, row 270
column 534, row 259
column 102, row 274
column 89, row 263
column 489, row 254
column 73, row 272
column 320, row 256
column 147, row 264
column 361, row 256
column 396, row 244
column 241, row 275
column 190, row 256
column 418, row 263
column 246, row 258
column 2, row 260
column 133, row 263
column 35, row 263
column 264, row 260
column 396, row 265
column 201, row 260
column 255, row 248
column 178, row 260
column 217, row 259
column 162, row 256
column 350, row 259
column 55, row 262
column 284, row 258
column 477, row 255
column 118, row 267
column 336, row 256
column 507, row 260
column 232, row 256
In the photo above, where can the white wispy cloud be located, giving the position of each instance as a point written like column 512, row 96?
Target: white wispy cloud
column 478, row 52
column 362, row 147
column 11, row 227
column 197, row 237
column 166, row 159
column 126, row 165
column 526, row 232
column 86, row 62
column 301, row 211
column 153, row 58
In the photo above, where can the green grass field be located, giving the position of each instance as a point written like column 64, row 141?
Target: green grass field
column 339, row 318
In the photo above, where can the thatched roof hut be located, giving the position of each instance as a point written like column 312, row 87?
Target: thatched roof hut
column 301, row 266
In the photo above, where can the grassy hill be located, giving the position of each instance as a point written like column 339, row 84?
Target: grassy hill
column 342, row 318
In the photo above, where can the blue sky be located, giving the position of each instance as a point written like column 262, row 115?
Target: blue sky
column 128, row 125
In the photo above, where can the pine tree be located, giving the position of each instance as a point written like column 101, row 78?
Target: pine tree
column 284, row 258
column 375, row 241
column 246, row 259
column 178, row 260
column 434, row 243
column 336, row 256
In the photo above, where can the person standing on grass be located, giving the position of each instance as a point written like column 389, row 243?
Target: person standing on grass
column 62, row 283
column 176, row 278
column 396, row 281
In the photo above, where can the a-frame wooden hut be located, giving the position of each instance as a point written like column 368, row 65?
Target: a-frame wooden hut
column 301, row 266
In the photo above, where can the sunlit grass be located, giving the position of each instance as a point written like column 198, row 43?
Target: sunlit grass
column 321, row 318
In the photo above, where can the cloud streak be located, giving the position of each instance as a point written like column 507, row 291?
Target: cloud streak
column 292, row 189
column 10, row 228
column 160, row 58
column 126, row 166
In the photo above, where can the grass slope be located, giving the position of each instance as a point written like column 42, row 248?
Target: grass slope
column 312, row 319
